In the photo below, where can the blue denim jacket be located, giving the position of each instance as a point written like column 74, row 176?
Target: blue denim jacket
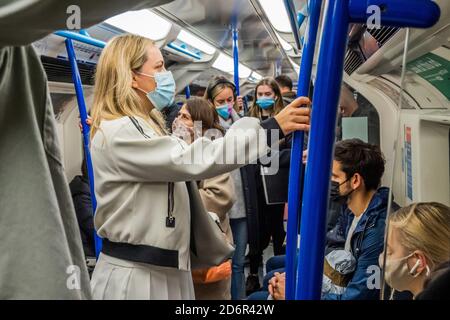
column 367, row 244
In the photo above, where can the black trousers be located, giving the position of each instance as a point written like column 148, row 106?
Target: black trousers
column 271, row 226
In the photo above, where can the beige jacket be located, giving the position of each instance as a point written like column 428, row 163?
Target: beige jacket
column 218, row 196
column 132, row 175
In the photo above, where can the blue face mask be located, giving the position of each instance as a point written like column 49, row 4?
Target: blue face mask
column 163, row 95
column 265, row 103
column 223, row 111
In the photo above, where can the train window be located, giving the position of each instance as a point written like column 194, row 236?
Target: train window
column 357, row 117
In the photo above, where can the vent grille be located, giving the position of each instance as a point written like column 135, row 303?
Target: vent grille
column 59, row 70
column 353, row 60
column 354, row 57
column 383, row 34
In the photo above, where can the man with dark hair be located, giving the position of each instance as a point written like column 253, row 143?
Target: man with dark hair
column 285, row 84
column 355, row 182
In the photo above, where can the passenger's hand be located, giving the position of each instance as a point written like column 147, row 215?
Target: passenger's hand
column 272, row 285
column 240, row 103
column 293, row 117
column 279, row 290
column 305, row 156
column 88, row 122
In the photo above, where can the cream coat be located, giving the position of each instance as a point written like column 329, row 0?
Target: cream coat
column 132, row 174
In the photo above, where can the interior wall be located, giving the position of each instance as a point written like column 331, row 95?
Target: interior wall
column 434, row 162
column 388, row 114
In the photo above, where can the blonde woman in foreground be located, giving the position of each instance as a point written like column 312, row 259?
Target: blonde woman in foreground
column 143, row 206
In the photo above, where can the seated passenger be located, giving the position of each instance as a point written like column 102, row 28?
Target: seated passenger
column 356, row 177
column 142, row 173
column 217, row 194
column 418, row 244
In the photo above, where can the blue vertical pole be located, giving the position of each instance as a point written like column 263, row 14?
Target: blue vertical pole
column 187, row 92
column 296, row 168
column 318, row 172
column 293, row 20
column 85, row 128
column 236, row 59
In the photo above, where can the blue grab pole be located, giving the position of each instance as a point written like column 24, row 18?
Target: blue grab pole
column 296, row 167
column 323, row 123
column 396, row 13
column 84, row 32
column 339, row 13
column 236, row 59
column 178, row 48
column 300, row 19
column 187, row 92
column 81, row 38
column 293, row 20
column 85, row 128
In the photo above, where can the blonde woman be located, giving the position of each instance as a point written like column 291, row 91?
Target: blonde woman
column 140, row 172
column 418, row 242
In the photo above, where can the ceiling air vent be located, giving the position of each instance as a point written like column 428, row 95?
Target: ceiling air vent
column 353, row 60
column 58, row 70
column 383, row 34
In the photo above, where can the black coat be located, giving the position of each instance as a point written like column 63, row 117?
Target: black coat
column 81, row 196
column 169, row 114
column 253, row 194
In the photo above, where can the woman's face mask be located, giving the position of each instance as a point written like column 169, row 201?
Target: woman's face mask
column 224, row 110
column 182, row 131
column 163, row 95
column 265, row 103
column 397, row 273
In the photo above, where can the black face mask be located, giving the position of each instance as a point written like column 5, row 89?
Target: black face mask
column 335, row 195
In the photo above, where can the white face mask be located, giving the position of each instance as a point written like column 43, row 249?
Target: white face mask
column 397, row 274
column 182, row 131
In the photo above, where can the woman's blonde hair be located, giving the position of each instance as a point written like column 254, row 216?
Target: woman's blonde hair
column 114, row 96
column 426, row 227
column 255, row 110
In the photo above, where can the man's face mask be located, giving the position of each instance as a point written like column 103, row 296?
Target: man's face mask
column 163, row 95
column 397, row 274
column 336, row 195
